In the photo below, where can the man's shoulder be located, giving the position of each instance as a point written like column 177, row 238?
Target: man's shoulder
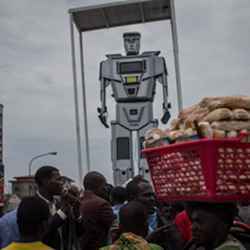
column 8, row 219
column 32, row 245
column 9, row 216
column 155, row 247
column 91, row 198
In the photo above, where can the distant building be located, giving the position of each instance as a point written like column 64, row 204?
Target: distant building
column 11, row 202
column 23, row 186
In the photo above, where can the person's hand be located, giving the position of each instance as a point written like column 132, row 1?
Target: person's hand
column 65, row 207
column 159, row 234
column 103, row 116
column 71, row 195
column 71, row 201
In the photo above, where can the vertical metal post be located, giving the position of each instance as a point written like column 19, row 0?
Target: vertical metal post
column 85, row 116
column 78, row 135
column 132, row 164
column 176, row 55
column 138, row 152
column 134, row 144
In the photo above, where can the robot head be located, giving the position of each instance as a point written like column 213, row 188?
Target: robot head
column 132, row 43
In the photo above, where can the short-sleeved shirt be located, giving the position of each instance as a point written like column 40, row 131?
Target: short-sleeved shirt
column 27, row 246
column 8, row 229
column 184, row 225
column 131, row 241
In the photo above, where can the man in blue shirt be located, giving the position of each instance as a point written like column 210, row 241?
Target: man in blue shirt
column 140, row 190
column 8, row 229
column 118, row 197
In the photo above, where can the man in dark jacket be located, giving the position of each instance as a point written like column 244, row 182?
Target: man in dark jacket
column 50, row 183
column 97, row 215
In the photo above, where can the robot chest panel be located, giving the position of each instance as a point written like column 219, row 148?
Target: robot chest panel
column 132, row 78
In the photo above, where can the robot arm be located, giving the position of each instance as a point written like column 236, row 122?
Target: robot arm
column 166, row 105
column 103, row 114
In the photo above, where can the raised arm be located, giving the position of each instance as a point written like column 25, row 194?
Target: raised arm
column 165, row 105
column 103, row 114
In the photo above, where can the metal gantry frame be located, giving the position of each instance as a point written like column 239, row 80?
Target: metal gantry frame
column 110, row 15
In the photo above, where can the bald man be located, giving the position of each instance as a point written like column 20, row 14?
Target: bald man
column 96, row 212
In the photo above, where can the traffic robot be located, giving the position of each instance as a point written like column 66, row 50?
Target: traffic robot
column 133, row 79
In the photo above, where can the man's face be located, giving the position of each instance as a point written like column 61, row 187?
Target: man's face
column 146, row 196
column 55, row 183
column 205, row 227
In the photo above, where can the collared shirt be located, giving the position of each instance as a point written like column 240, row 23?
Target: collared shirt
column 9, row 231
column 152, row 222
column 52, row 207
column 116, row 210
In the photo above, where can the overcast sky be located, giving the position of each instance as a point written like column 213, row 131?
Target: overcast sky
column 36, row 74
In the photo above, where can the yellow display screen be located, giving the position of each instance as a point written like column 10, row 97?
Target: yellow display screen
column 131, row 79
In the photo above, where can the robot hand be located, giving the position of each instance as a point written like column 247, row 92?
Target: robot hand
column 103, row 116
column 166, row 116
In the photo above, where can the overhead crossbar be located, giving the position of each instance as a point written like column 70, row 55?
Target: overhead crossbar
column 120, row 14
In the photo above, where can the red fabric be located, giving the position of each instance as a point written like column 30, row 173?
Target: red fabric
column 242, row 225
column 184, row 225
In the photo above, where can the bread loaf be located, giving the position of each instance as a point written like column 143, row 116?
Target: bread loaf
column 173, row 135
column 231, row 102
column 231, row 125
column 218, row 115
column 205, row 130
column 153, row 137
column 197, row 115
column 175, row 124
column 232, row 133
column 240, row 114
column 219, row 134
column 187, row 111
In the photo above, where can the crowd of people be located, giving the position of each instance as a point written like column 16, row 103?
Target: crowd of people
column 112, row 218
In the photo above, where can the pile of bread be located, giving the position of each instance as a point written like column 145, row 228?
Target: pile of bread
column 212, row 117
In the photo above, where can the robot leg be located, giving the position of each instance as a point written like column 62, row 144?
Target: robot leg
column 121, row 153
column 143, row 165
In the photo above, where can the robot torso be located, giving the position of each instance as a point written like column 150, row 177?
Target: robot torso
column 133, row 78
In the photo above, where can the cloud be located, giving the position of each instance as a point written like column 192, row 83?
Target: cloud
column 36, row 73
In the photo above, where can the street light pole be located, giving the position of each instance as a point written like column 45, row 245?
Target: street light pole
column 38, row 156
